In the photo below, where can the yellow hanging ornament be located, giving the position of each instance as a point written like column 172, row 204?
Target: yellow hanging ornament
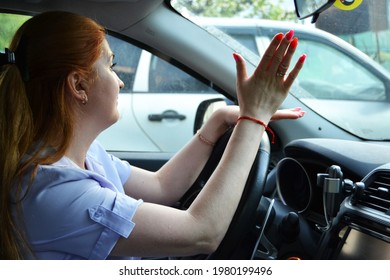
column 347, row 5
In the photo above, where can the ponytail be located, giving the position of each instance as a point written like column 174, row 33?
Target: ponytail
column 15, row 135
column 35, row 111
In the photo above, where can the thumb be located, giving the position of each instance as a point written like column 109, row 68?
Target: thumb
column 240, row 67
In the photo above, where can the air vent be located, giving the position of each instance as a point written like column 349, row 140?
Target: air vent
column 377, row 193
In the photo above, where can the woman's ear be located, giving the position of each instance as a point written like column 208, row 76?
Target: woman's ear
column 78, row 87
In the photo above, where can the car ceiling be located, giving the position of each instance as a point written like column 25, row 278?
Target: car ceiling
column 154, row 24
column 126, row 15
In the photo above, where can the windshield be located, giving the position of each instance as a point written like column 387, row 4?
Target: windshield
column 346, row 78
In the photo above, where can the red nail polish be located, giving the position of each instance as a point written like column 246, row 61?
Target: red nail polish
column 302, row 58
column 294, row 43
column 235, row 56
column 289, row 35
column 279, row 36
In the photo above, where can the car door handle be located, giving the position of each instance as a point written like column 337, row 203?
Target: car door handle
column 169, row 114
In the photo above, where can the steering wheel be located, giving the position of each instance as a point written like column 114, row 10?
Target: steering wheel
column 237, row 241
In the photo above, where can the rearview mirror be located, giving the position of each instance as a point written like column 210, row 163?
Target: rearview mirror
column 307, row 8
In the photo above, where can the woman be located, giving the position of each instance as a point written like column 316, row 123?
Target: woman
column 64, row 197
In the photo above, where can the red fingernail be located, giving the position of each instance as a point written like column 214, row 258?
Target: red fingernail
column 302, row 58
column 294, row 43
column 279, row 36
column 235, row 56
column 289, row 35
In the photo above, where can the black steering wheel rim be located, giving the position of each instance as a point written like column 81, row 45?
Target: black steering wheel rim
column 244, row 219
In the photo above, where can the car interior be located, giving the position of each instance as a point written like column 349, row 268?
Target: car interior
column 319, row 192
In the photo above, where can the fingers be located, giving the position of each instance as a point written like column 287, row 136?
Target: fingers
column 286, row 60
column 293, row 113
column 278, row 58
column 269, row 53
column 282, row 55
column 294, row 72
column 269, row 85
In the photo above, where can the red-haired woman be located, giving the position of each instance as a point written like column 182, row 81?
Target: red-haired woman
column 63, row 197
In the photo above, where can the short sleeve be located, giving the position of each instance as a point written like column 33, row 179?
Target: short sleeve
column 123, row 168
column 98, row 160
column 116, row 223
column 68, row 214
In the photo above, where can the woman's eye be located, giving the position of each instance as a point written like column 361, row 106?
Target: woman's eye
column 112, row 66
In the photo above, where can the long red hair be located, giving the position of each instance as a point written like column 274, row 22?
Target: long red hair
column 35, row 111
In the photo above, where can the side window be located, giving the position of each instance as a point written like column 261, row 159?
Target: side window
column 126, row 59
column 166, row 78
column 162, row 76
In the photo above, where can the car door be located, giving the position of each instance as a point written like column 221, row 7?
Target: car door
column 166, row 102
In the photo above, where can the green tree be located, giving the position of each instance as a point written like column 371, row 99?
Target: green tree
column 264, row 9
column 9, row 23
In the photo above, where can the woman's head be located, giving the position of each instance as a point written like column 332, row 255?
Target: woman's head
column 36, row 111
column 52, row 45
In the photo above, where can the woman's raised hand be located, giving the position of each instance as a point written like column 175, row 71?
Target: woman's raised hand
column 260, row 95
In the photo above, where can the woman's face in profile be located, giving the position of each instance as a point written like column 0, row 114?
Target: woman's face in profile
column 104, row 89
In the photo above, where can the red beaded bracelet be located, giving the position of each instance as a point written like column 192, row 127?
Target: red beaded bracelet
column 260, row 123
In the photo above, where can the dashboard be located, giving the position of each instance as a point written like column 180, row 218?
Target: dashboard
column 327, row 199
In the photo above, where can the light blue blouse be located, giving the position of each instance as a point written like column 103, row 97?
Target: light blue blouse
column 71, row 213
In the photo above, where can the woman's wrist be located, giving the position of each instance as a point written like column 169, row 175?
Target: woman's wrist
column 258, row 122
column 226, row 117
column 217, row 125
column 205, row 140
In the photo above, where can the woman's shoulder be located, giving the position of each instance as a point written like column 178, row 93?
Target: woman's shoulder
column 100, row 161
column 97, row 150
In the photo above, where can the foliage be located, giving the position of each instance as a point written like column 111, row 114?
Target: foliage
column 264, row 9
column 9, row 23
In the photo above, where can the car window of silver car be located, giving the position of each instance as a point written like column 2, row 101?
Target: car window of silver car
column 334, row 75
column 126, row 58
column 166, row 78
